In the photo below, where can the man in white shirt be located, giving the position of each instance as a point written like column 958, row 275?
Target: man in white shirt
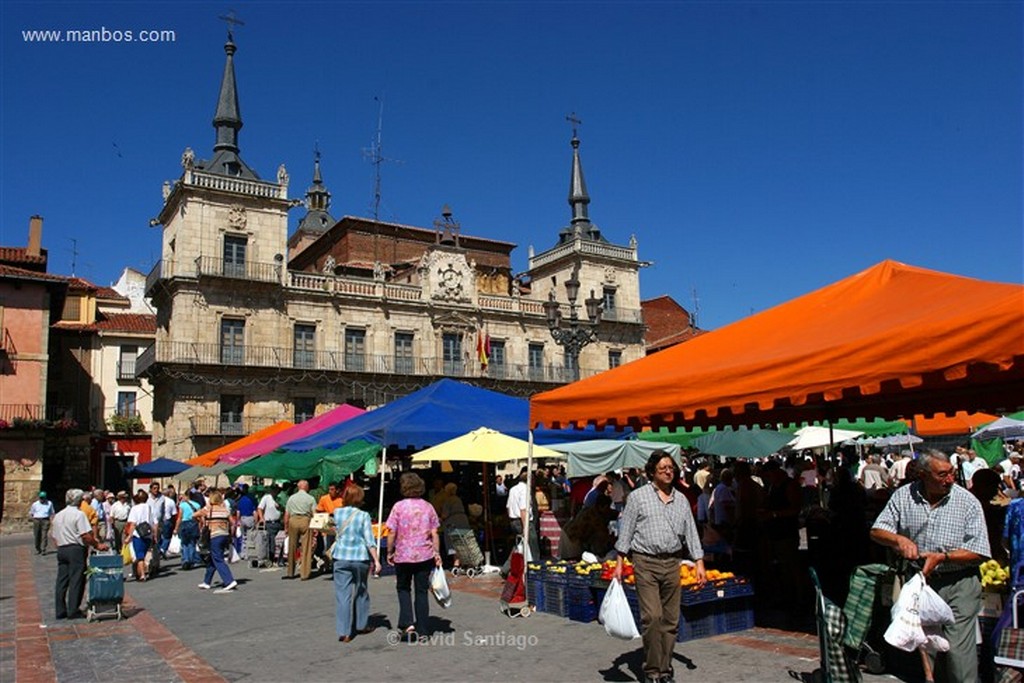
column 269, row 513
column 41, row 512
column 71, row 533
column 1011, row 470
column 898, row 471
column 518, row 508
column 119, row 517
column 971, row 464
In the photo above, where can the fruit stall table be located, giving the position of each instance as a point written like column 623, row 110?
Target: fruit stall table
column 575, row 591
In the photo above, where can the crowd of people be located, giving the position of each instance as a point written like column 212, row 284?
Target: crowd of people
column 752, row 517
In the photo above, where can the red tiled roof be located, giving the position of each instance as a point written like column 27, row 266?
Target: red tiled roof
column 77, row 284
column 20, row 255
column 142, row 323
column 667, row 323
column 110, row 294
column 14, row 272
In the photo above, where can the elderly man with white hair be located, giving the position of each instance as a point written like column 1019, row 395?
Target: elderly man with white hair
column 71, row 534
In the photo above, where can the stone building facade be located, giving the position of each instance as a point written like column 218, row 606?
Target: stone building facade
column 255, row 325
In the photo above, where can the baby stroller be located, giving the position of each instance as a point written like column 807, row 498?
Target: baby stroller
column 467, row 552
column 513, row 594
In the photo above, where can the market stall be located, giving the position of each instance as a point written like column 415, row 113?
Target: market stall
column 890, row 341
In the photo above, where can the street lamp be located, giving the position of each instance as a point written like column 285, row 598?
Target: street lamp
column 578, row 333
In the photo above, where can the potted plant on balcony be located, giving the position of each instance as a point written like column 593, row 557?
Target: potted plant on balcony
column 126, row 424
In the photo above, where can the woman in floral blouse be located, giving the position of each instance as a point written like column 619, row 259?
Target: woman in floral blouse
column 414, row 550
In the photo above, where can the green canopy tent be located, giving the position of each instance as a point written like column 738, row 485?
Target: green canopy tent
column 870, row 428
column 590, row 458
column 330, row 464
column 742, row 443
column 682, row 438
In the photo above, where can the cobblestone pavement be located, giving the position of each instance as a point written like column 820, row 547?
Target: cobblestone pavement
column 274, row 630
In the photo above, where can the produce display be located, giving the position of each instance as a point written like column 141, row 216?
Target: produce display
column 993, row 575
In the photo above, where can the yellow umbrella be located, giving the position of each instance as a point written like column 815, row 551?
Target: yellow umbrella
column 484, row 445
column 489, row 446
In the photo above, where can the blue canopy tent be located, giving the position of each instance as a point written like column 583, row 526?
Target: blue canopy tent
column 161, row 467
column 437, row 413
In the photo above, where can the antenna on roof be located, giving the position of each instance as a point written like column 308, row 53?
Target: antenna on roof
column 74, row 255
column 376, row 156
column 695, row 315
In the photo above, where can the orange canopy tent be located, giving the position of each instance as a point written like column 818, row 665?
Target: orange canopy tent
column 941, row 425
column 891, row 341
column 210, row 457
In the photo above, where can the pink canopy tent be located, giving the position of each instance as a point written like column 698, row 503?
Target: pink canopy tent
column 286, row 436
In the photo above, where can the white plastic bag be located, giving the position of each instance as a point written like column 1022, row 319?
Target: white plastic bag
column 235, row 557
column 905, row 631
column 174, row 547
column 439, row 586
column 933, row 608
column 616, row 615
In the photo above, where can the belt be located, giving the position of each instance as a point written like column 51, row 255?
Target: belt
column 302, row 515
column 956, row 574
column 677, row 555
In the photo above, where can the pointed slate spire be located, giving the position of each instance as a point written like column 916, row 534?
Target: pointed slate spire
column 317, row 196
column 317, row 219
column 578, row 197
column 228, row 121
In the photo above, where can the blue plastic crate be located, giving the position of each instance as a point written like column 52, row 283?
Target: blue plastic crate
column 736, row 615
column 579, row 603
column 722, row 590
column 696, row 621
column 554, row 600
column 535, row 591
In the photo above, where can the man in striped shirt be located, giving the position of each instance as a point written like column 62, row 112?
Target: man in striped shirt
column 657, row 531
column 938, row 521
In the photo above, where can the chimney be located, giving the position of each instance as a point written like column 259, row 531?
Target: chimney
column 35, row 236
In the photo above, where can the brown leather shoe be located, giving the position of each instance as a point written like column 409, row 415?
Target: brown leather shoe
column 344, row 639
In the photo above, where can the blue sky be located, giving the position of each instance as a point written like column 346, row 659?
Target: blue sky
column 757, row 150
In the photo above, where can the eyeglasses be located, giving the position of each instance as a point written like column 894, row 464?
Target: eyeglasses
column 665, row 469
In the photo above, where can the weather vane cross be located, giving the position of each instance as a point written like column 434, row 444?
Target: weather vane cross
column 571, row 118
column 232, row 21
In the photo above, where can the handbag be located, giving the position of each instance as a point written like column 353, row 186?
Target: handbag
column 330, row 551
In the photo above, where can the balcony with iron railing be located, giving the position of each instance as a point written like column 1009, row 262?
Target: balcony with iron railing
column 126, row 371
column 33, row 416
column 217, row 355
column 228, row 425
column 250, row 271
column 355, row 287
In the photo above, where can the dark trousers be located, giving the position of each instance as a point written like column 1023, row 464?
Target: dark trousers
column 272, row 529
column 407, row 574
column 41, row 533
column 657, row 591
column 70, row 580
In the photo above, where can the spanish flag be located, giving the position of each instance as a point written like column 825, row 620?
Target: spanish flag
column 483, row 349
